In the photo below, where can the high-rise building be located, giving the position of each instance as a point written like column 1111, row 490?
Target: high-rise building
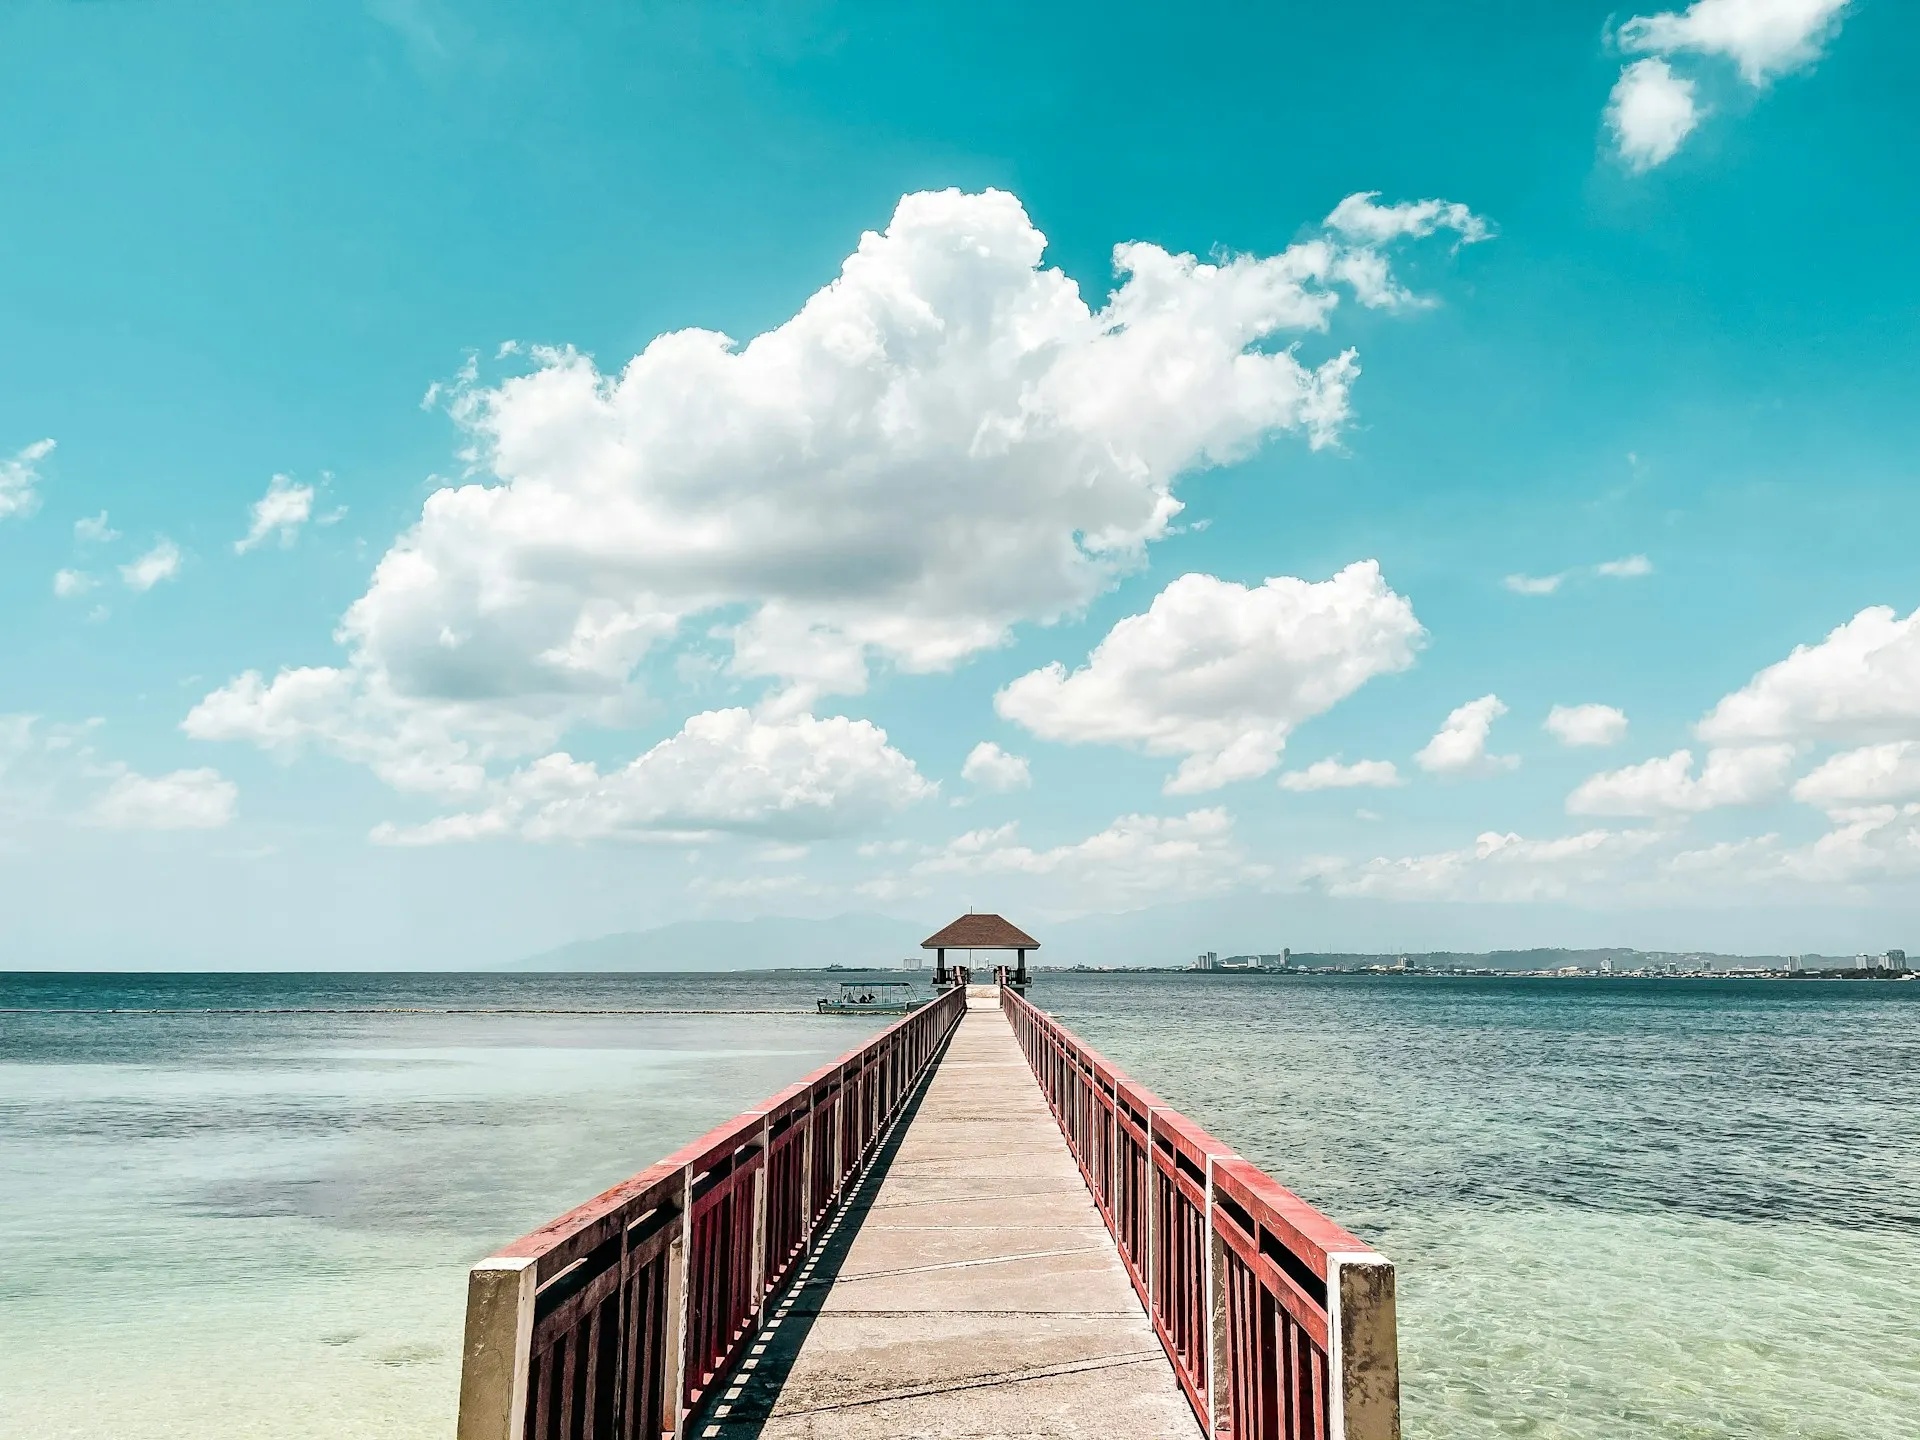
column 1894, row 962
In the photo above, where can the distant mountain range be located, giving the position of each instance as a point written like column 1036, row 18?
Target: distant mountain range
column 769, row 943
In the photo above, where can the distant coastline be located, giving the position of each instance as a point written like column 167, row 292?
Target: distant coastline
column 1551, row 963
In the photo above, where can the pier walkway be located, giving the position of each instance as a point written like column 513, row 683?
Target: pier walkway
column 969, row 1288
column 971, row 1226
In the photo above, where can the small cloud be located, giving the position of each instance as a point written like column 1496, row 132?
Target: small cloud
column 1764, row 38
column 1629, row 567
column 1332, row 775
column 20, row 480
column 1632, row 567
column 162, row 562
column 1459, row 747
column 68, row 584
column 1586, row 725
column 94, row 530
column 988, row 767
column 183, row 800
column 1359, row 218
column 1535, row 584
column 281, row 511
column 1650, row 111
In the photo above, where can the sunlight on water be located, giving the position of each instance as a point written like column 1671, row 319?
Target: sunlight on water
column 1685, row 1212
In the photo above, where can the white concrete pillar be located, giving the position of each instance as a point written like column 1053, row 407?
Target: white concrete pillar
column 1363, row 1353
column 497, row 1352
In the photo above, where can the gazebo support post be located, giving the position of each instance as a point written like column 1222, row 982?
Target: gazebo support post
column 940, row 968
column 1020, row 971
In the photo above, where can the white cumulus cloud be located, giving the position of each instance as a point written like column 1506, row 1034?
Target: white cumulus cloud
column 1332, row 775
column 1587, row 725
column 20, row 480
column 281, row 511
column 725, row 772
column 946, row 441
column 1135, row 856
column 1736, row 775
column 1222, row 673
column 1876, row 842
column 1651, row 111
column 70, row 584
column 1459, row 747
column 1870, row 775
column 1361, row 218
column 1764, row 38
column 1499, row 866
column 94, row 530
column 160, row 563
column 183, row 800
column 1860, row 684
column 988, row 767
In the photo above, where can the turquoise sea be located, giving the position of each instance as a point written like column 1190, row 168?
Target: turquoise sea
column 1620, row 1208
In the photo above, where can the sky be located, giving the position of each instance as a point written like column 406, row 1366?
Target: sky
column 477, row 477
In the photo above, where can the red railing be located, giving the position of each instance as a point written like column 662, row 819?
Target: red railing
column 619, row 1319
column 1279, row 1324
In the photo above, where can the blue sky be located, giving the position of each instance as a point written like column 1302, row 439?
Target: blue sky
column 635, row 663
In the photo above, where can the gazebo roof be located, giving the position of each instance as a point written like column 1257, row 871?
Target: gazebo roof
column 980, row 932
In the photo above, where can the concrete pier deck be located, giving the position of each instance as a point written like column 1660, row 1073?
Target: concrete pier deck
column 968, row 1288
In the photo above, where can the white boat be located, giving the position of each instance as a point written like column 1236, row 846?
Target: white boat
column 873, row 997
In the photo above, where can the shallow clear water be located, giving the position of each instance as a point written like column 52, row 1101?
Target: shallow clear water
column 1668, row 1209
column 1674, row 1209
column 259, row 1226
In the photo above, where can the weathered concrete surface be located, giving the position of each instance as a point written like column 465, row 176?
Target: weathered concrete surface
column 968, row 1290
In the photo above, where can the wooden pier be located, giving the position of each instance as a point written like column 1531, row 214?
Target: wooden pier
column 919, row 1240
